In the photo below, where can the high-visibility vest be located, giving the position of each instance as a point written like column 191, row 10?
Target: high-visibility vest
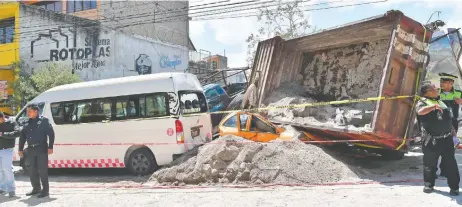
column 451, row 95
column 430, row 102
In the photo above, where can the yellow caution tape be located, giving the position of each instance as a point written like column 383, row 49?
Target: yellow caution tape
column 304, row 105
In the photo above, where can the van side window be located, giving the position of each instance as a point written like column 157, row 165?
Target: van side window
column 120, row 108
column 116, row 108
column 156, row 105
column 63, row 113
column 192, row 102
column 93, row 111
column 57, row 112
column 142, row 106
column 132, row 107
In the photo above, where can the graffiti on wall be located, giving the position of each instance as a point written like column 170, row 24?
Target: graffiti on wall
column 89, row 55
column 166, row 62
column 143, row 64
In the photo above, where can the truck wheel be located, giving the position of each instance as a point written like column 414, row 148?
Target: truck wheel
column 392, row 155
column 141, row 162
column 236, row 102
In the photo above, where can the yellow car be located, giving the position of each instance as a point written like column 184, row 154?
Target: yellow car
column 252, row 127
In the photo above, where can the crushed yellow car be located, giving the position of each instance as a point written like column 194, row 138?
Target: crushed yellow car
column 252, row 127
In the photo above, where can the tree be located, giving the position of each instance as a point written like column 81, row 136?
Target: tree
column 286, row 19
column 30, row 83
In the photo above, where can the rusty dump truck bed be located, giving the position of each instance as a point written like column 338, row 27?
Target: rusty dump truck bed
column 378, row 56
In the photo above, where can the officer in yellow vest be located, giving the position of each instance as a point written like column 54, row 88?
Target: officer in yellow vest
column 435, row 119
column 452, row 98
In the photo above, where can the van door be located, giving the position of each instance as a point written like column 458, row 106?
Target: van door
column 197, row 125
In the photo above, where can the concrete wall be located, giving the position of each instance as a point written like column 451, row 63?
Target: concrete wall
column 163, row 20
column 91, row 50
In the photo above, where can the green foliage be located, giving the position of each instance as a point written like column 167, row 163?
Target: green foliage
column 30, row 83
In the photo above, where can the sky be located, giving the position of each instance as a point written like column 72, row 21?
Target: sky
column 227, row 36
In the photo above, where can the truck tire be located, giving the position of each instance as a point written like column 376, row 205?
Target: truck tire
column 235, row 104
column 141, row 162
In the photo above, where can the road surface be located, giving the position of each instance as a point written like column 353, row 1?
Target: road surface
column 116, row 188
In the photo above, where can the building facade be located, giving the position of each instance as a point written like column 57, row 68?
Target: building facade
column 76, row 35
column 166, row 21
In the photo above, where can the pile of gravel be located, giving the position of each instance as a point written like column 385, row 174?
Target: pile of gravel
column 235, row 160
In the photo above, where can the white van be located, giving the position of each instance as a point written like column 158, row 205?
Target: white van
column 138, row 122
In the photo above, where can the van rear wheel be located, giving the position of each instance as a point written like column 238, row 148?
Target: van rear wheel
column 141, row 162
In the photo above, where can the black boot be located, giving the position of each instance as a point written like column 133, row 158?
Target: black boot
column 33, row 192
column 454, row 192
column 428, row 189
column 43, row 194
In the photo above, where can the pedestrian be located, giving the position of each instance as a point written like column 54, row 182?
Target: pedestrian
column 437, row 133
column 36, row 130
column 452, row 98
column 8, row 133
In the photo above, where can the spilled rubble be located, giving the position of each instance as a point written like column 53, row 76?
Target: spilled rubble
column 235, row 160
column 334, row 116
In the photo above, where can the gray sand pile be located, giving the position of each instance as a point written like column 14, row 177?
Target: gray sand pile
column 235, row 160
column 320, row 116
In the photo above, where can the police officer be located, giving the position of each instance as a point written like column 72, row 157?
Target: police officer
column 437, row 132
column 452, row 99
column 36, row 130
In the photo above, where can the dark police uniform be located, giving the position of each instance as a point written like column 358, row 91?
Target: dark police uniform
column 35, row 132
column 449, row 99
column 437, row 141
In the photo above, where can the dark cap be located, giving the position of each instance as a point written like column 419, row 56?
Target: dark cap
column 33, row 106
column 447, row 76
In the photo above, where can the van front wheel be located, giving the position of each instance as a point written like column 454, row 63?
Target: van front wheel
column 141, row 162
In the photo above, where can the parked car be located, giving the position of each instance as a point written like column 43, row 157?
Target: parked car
column 217, row 100
column 252, row 127
column 216, row 96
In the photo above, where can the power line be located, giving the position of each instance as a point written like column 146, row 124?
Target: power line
column 346, row 32
column 162, row 19
column 317, row 9
column 256, row 15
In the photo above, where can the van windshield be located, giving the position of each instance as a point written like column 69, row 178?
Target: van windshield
column 192, row 102
column 23, row 113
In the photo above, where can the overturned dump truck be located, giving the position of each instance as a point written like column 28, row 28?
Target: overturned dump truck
column 377, row 57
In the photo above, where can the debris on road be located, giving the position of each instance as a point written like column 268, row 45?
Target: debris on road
column 231, row 159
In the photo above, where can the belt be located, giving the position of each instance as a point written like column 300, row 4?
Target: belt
column 33, row 145
column 4, row 148
column 442, row 136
